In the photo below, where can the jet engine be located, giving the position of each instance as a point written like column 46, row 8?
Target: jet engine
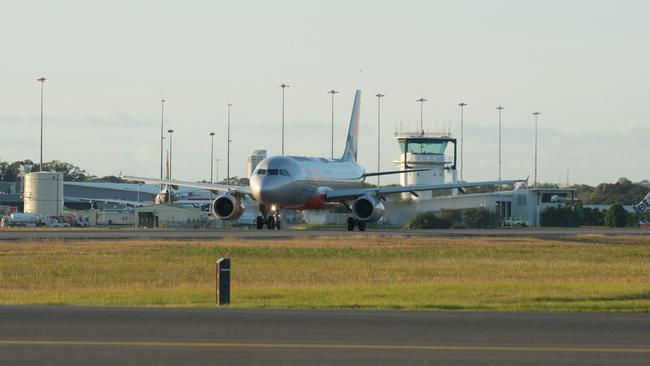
column 367, row 209
column 227, row 207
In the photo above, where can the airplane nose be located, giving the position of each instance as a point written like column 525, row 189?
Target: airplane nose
column 270, row 189
column 256, row 187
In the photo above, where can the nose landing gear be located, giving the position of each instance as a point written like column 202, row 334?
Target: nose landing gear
column 271, row 221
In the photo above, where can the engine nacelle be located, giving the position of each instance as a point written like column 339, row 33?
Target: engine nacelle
column 227, row 207
column 367, row 209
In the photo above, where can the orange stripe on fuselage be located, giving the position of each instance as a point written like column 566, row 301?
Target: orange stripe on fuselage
column 319, row 203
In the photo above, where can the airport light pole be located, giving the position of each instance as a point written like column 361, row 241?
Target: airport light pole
column 379, row 96
column 462, row 106
column 42, row 81
column 421, row 100
column 500, row 108
column 228, row 152
column 217, row 160
column 536, row 114
column 283, row 86
column 162, row 137
column 332, row 92
column 170, row 152
column 211, row 156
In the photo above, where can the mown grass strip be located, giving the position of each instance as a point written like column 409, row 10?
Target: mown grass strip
column 591, row 273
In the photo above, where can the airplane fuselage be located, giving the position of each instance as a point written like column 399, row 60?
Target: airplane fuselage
column 301, row 182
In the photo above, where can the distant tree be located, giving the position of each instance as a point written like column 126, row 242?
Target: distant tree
column 592, row 217
column 480, row 218
column 70, row 172
column 107, row 179
column 623, row 191
column 567, row 216
column 427, row 220
column 12, row 171
column 453, row 216
column 631, row 219
column 616, row 216
column 236, row 181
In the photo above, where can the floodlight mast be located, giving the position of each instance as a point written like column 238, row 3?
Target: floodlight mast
column 536, row 114
column 283, row 86
column 379, row 96
column 332, row 92
column 211, row 157
column 462, row 106
column 421, row 100
column 170, row 132
column 42, row 81
column 228, row 152
column 500, row 108
column 162, row 137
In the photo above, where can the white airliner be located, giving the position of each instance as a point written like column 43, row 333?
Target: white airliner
column 311, row 183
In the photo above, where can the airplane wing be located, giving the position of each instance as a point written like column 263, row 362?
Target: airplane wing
column 214, row 188
column 108, row 200
column 365, row 175
column 347, row 194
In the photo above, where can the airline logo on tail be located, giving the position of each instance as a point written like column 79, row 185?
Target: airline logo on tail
column 644, row 205
column 352, row 142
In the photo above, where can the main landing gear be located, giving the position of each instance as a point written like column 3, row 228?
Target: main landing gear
column 352, row 223
column 269, row 219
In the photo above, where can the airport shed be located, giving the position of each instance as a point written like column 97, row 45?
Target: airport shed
column 523, row 205
column 169, row 215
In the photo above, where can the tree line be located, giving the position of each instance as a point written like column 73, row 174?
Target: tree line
column 12, row 172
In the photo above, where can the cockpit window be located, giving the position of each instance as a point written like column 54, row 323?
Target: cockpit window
column 273, row 172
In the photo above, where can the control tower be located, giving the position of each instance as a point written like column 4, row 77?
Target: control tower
column 425, row 150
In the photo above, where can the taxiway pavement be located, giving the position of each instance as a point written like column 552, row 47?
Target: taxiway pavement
column 108, row 336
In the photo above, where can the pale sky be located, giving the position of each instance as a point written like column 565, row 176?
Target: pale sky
column 585, row 65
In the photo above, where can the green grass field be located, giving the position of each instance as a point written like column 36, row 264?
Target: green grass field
column 589, row 273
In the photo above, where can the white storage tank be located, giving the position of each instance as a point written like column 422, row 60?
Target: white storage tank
column 43, row 193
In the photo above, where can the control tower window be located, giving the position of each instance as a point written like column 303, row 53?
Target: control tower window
column 425, row 147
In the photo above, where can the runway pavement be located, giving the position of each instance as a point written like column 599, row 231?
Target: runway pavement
column 197, row 234
column 102, row 336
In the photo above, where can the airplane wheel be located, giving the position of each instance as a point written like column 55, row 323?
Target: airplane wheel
column 259, row 222
column 350, row 224
column 277, row 223
column 270, row 223
column 362, row 226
